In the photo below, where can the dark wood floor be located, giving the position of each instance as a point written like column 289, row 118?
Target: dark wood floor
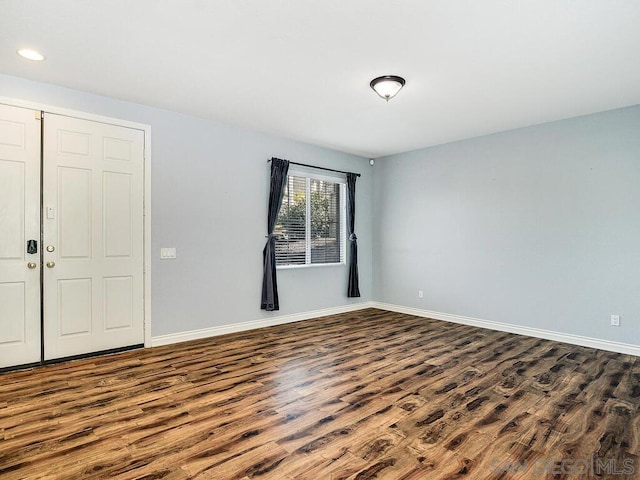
column 364, row 395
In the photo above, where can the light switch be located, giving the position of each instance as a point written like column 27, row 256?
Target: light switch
column 51, row 213
column 168, row 253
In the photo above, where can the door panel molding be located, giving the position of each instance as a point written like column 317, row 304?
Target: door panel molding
column 57, row 109
column 93, row 198
column 115, row 150
column 19, row 221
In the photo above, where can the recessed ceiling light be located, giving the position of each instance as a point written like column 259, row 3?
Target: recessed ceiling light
column 30, row 54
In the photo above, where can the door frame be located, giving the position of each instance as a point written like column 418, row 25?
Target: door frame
column 146, row 210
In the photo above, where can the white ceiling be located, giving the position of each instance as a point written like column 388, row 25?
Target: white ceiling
column 301, row 68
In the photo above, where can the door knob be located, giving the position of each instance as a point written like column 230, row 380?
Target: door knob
column 31, row 265
column 50, row 248
column 51, row 264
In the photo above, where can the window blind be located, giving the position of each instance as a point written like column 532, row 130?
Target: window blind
column 311, row 223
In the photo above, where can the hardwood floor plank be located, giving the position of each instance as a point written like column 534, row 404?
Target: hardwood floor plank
column 363, row 395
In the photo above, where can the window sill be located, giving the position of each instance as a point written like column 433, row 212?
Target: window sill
column 309, row 265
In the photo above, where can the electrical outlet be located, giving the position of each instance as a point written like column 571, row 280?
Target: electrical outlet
column 420, row 294
column 615, row 320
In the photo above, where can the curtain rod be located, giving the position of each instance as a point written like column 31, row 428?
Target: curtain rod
column 319, row 168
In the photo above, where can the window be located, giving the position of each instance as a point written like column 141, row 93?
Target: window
column 311, row 225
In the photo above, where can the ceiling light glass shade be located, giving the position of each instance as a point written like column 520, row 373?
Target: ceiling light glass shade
column 387, row 86
column 31, row 54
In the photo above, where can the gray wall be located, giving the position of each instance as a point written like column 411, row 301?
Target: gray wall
column 537, row 227
column 209, row 196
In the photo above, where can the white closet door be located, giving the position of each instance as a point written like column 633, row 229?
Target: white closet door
column 93, row 236
column 19, row 222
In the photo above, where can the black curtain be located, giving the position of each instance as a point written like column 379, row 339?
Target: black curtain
column 353, row 290
column 279, row 169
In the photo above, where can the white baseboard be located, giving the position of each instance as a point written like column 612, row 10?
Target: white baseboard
column 447, row 317
column 510, row 328
column 263, row 322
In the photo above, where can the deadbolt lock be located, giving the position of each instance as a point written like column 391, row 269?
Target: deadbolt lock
column 50, row 248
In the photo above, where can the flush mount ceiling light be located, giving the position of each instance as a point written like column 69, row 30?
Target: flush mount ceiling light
column 387, row 86
column 30, row 54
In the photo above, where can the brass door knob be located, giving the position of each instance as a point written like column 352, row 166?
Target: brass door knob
column 50, row 248
column 51, row 264
column 32, row 265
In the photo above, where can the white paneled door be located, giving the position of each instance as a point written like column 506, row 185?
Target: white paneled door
column 93, row 188
column 19, row 223
column 84, row 214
